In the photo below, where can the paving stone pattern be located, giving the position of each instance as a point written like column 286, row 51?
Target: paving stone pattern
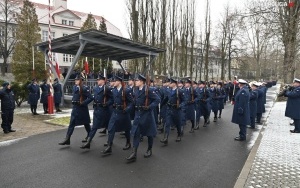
column 277, row 160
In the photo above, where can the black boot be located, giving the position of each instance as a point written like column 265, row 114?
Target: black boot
column 197, row 126
column 127, row 146
column 215, row 119
column 132, row 156
column 148, row 153
column 66, row 141
column 103, row 131
column 178, row 139
column 107, row 150
column 87, row 145
column 165, row 140
column 84, row 140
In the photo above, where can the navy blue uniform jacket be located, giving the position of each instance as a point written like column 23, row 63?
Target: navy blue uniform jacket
column 293, row 103
column 144, row 122
column 34, row 94
column 241, row 110
column 80, row 112
column 120, row 117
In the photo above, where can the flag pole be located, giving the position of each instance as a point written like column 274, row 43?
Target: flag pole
column 33, row 71
column 50, row 97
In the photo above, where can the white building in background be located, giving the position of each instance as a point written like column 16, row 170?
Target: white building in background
column 63, row 22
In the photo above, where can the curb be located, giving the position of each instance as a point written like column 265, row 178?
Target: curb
column 241, row 180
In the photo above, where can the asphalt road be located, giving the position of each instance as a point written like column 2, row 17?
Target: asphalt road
column 207, row 158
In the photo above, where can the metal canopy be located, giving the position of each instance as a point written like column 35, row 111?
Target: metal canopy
column 100, row 45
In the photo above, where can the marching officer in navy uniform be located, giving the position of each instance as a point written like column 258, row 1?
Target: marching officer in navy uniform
column 215, row 96
column 45, row 87
column 102, row 101
column 204, row 98
column 7, row 98
column 176, row 101
column 145, row 102
column 163, row 105
column 191, row 98
column 241, row 110
column 34, row 95
column 120, row 118
column 260, row 104
column 253, row 104
column 131, row 86
column 80, row 111
column 57, row 94
column 293, row 103
column 222, row 96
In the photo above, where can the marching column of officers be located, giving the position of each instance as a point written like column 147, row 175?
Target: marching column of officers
column 140, row 109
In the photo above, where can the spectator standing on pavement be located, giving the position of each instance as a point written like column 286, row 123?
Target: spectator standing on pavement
column 241, row 111
column 57, row 94
column 253, row 104
column 80, row 111
column 7, row 107
column 34, row 95
column 45, row 93
column 293, row 103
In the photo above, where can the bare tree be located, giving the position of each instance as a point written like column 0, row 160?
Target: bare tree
column 207, row 39
column 8, row 10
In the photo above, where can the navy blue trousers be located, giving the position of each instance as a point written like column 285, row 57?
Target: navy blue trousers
column 243, row 131
column 297, row 125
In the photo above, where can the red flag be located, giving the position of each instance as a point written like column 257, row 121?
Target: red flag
column 57, row 69
column 86, row 67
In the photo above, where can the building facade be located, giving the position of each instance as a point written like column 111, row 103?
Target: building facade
column 63, row 22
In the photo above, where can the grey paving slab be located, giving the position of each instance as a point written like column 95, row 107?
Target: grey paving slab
column 276, row 163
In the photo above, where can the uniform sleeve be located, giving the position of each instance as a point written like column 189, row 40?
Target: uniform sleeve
column 129, row 100
column 89, row 97
column 155, row 99
column 109, row 97
column 293, row 94
column 243, row 100
column 182, row 98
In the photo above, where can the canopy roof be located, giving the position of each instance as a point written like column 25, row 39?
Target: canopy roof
column 100, row 45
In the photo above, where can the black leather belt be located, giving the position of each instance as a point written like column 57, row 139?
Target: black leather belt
column 118, row 107
column 99, row 105
column 76, row 102
column 172, row 105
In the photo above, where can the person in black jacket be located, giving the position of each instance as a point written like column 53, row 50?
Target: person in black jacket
column 7, row 107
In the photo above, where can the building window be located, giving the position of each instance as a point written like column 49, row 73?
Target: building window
column 71, row 58
column 64, row 22
column 64, row 34
column 45, row 36
column 71, row 23
column 66, row 58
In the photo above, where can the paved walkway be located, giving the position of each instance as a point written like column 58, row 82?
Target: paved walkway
column 276, row 161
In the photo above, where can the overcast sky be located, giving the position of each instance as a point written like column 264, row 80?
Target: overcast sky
column 116, row 12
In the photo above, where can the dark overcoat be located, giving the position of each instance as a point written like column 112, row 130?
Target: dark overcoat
column 144, row 121
column 253, row 103
column 120, row 117
column 191, row 99
column 102, row 101
column 7, row 98
column 174, row 112
column 80, row 112
column 57, row 92
column 45, row 93
column 241, row 110
column 34, row 94
column 204, row 97
column 222, row 96
column 215, row 95
column 293, row 103
column 260, row 101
